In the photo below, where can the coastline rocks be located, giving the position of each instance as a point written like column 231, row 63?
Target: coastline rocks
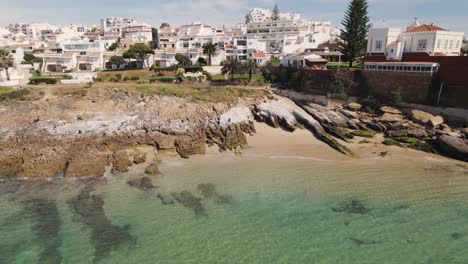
column 453, row 146
column 152, row 169
column 354, row 106
column 391, row 117
column 87, row 166
column 139, row 157
column 426, row 119
column 120, row 162
column 390, row 110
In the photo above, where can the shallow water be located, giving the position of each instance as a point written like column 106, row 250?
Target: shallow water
column 252, row 209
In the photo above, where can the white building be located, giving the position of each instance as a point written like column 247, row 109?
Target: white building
column 256, row 15
column 292, row 35
column 33, row 31
column 417, row 38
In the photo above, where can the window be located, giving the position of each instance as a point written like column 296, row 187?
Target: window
column 422, row 44
column 451, row 44
column 439, row 43
column 378, row 45
column 458, row 44
column 446, row 44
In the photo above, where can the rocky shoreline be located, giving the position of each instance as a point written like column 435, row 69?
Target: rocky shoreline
column 86, row 136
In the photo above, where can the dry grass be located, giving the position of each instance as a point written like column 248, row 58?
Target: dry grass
column 206, row 94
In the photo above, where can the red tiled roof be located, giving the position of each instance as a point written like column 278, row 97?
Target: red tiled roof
column 394, row 42
column 259, row 55
column 424, row 28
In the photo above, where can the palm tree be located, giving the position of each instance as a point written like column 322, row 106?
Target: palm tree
column 6, row 61
column 231, row 67
column 249, row 67
column 209, row 49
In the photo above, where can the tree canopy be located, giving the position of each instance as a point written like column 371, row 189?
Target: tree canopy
column 6, row 61
column 165, row 25
column 30, row 58
column 182, row 59
column 353, row 42
column 209, row 49
column 138, row 52
column 276, row 13
column 117, row 60
column 231, row 67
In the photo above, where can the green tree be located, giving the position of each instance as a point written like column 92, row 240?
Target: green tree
column 30, row 58
column 202, row 61
column 139, row 52
column 231, row 67
column 209, row 49
column 276, row 13
column 249, row 67
column 117, row 60
column 6, row 61
column 155, row 35
column 352, row 42
column 165, row 25
column 113, row 46
column 182, row 59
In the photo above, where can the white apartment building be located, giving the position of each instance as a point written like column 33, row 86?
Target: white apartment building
column 80, row 55
column 33, row 31
column 138, row 33
column 256, row 15
column 292, row 36
column 425, row 38
column 116, row 22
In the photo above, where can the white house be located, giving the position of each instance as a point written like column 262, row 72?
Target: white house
column 417, row 38
column 305, row 60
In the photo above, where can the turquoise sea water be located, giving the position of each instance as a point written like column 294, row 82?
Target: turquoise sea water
column 252, row 209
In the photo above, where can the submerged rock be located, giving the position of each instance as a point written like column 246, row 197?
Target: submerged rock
column 144, row 184
column 188, row 200
column 361, row 242
column 208, row 191
column 105, row 236
column 352, row 207
column 152, row 169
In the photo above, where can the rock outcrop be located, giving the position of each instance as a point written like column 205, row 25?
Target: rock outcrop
column 453, row 147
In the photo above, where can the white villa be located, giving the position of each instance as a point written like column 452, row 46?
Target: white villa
column 418, row 38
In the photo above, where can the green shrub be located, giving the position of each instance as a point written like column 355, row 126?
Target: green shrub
column 118, row 76
column 160, row 74
column 9, row 94
column 166, row 79
column 363, row 133
column 46, row 80
column 134, row 78
column 208, row 75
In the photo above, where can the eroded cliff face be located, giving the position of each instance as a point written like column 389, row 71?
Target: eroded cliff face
column 79, row 136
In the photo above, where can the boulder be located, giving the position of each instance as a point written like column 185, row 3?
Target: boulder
column 369, row 109
column 347, row 113
column 354, row 106
column 120, row 162
column 453, row 147
column 152, row 169
column 390, row 110
column 389, row 117
column 87, row 166
column 139, row 157
column 397, row 133
column 426, row 119
column 376, row 126
column 465, row 132
column 417, row 133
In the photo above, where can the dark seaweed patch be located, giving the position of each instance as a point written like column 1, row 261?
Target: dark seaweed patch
column 208, row 191
column 352, row 207
column 188, row 200
column 105, row 236
column 9, row 252
column 361, row 242
column 144, row 184
column 47, row 228
column 457, row 235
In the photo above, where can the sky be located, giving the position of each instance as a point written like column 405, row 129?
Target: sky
column 449, row 14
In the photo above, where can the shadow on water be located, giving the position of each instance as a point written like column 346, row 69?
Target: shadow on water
column 47, row 228
column 363, row 242
column 105, row 237
column 188, row 200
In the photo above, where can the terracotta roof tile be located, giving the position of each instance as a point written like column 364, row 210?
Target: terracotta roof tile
column 424, row 28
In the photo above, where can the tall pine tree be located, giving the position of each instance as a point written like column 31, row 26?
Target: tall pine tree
column 353, row 41
column 276, row 13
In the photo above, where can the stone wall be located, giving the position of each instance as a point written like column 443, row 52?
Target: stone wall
column 412, row 87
